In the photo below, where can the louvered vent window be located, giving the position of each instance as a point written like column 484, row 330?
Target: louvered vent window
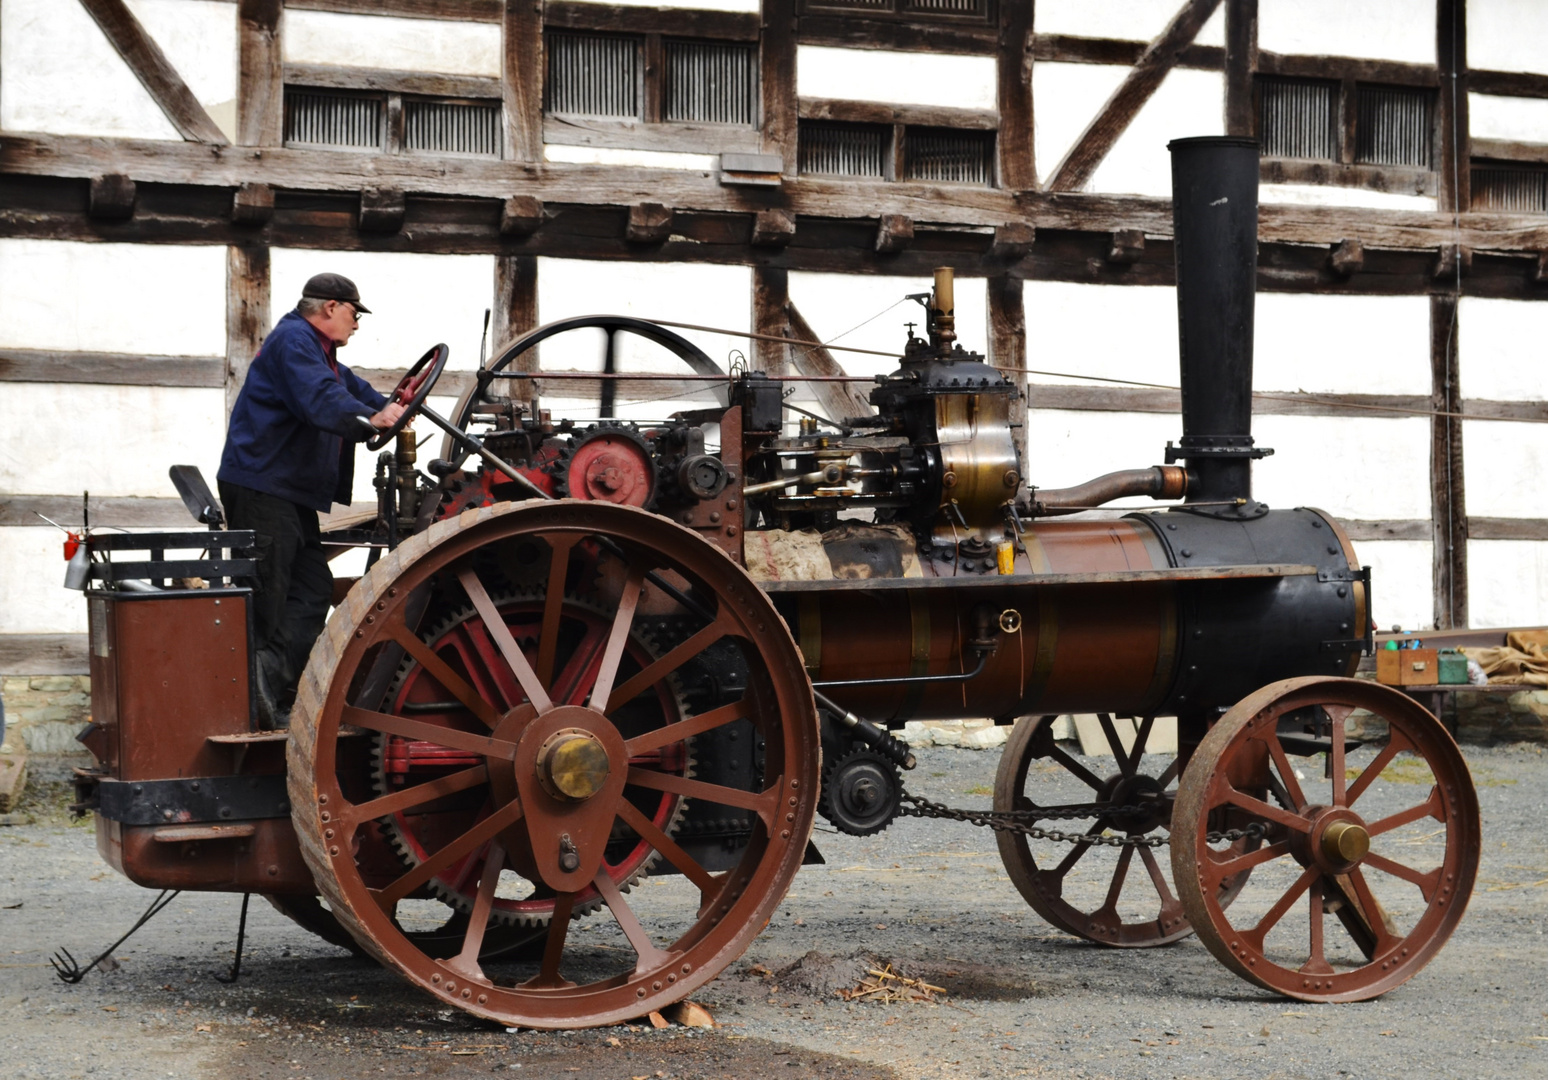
column 829, row 148
column 850, row 5
column 1510, row 187
column 452, row 127
column 593, row 75
column 979, row 9
column 323, row 118
column 1298, row 118
column 944, row 154
column 711, row 82
column 1394, row 126
column 947, row 7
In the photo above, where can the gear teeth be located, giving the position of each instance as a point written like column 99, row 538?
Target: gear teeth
column 560, row 469
column 843, row 820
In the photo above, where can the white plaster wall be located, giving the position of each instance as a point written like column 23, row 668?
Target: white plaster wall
column 1060, row 316
column 1066, row 448
column 199, row 38
column 1133, row 20
column 1342, row 344
column 647, row 159
column 1500, row 349
column 1376, row 29
column 1069, row 96
column 1504, row 465
column 718, row 296
column 1507, row 582
column 33, row 599
column 1507, row 35
column 965, row 82
column 1314, row 195
column 126, row 298
column 377, row 41
column 61, row 76
column 869, row 312
column 1494, row 117
column 1352, row 468
column 1401, row 589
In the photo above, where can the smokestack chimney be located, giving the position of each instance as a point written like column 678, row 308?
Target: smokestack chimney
column 1215, row 226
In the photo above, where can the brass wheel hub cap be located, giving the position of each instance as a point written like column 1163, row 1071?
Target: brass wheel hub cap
column 572, row 765
column 1344, row 842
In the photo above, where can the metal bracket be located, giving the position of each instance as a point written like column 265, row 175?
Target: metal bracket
column 197, row 799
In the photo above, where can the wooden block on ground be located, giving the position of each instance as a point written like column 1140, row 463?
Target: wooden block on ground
column 13, row 779
column 689, row 1014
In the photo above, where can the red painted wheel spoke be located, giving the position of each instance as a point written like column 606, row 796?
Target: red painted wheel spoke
column 1281, row 906
column 1371, row 908
column 420, row 731
column 574, row 681
column 1153, row 868
column 660, row 669
column 459, row 848
column 1337, row 714
column 1396, row 744
column 762, row 802
column 1120, row 755
column 646, row 953
column 1141, row 738
column 419, row 794
column 1225, row 868
column 548, row 977
column 495, row 625
column 553, row 605
column 491, row 678
column 455, row 684
column 1115, row 887
column 1427, row 882
column 466, row 961
column 1075, row 768
column 649, row 832
column 1317, row 961
column 1067, row 863
column 1286, row 771
column 618, row 638
column 668, row 734
column 1431, row 808
column 1267, row 812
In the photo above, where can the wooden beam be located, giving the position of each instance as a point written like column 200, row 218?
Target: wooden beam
column 150, row 65
column 1338, row 68
column 1535, row 153
column 630, row 19
column 770, row 296
column 111, row 197
column 247, row 314
column 1507, row 83
column 671, row 138
column 515, row 314
column 878, row 112
column 1136, row 89
column 1386, row 530
column 392, row 81
column 1116, row 52
column 1492, row 528
column 841, row 401
column 1241, row 65
column 1448, row 501
column 43, row 654
column 1013, row 96
column 1394, row 179
column 260, row 75
column 449, row 10
column 894, row 232
column 869, row 32
column 126, row 513
column 777, row 66
column 1007, row 348
column 521, row 79
column 1453, row 162
column 110, row 369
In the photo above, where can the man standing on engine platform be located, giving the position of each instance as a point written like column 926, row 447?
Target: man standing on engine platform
column 289, row 456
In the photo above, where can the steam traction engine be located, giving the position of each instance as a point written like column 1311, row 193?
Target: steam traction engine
column 600, row 678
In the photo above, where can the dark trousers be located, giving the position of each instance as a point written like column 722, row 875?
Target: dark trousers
column 293, row 590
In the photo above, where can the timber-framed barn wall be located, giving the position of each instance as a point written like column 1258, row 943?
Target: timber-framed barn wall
column 161, row 199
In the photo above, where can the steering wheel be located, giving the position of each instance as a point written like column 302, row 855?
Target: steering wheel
column 411, row 392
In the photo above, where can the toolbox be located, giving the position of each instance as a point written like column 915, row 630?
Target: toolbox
column 1410, row 667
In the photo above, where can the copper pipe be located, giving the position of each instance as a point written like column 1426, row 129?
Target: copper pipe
column 1159, row 482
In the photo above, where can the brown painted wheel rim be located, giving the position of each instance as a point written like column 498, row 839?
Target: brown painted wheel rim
column 668, row 936
column 1365, row 869
column 1113, row 896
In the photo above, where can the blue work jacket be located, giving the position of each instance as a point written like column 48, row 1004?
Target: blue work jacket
column 293, row 429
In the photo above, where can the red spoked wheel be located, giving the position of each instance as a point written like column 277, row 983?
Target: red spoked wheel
column 545, row 753
column 1386, row 842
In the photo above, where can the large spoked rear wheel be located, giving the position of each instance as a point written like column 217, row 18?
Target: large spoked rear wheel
column 1368, row 858
column 529, row 760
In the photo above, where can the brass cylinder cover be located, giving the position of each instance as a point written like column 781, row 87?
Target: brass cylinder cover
column 1345, row 842
column 572, row 765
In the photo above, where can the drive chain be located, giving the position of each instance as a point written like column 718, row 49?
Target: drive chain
column 1020, row 821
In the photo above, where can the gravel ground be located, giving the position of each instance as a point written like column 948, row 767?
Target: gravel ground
column 931, row 897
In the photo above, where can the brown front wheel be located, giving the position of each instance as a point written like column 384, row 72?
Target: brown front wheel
column 1367, row 859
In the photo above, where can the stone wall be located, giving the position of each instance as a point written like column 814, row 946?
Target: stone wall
column 43, row 713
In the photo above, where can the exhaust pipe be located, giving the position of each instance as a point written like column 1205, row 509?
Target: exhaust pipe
column 1215, row 230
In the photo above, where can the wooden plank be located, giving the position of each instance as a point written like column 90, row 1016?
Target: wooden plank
column 1007, row 348
column 521, row 79
column 629, row 19
column 1493, row 528
column 260, row 75
column 1338, row 68
column 1241, row 66
column 1098, row 398
column 877, row 112
column 124, row 512
column 515, row 314
column 770, row 295
column 675, row 138
column 248, row 319
column 1448, row 500
column 1114, row 52
column 869, row 32
column 1358, row 531
column 1454, row 155
column 1013, row 97
column 450, row 10
column 1508, row 83
column 840, row 401
column 150, row 65
column 110, row 369
column 395, row 82
column 1001, row 581
column 13, row 776
column 1112, row 120
column 451, row 383
column 777, row 65
column 1509, row 150
column 1396, row 179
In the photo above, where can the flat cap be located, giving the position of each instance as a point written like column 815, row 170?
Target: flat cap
column 334, row 287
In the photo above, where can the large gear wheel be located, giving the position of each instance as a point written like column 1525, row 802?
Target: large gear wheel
column 609, row 462
column 631, row 864
column 861, row 792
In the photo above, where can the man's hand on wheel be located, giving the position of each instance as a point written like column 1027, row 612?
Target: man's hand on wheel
column 389, row 416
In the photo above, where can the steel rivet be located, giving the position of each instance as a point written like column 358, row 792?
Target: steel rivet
column 466, row 994
column 640, row 992
column 784, row 834
column 436, row 979
column 450, row 986
column 322, row 800
column 687, row 968
column 483, row 998
column 326, row 816
column 333, row 851
column 328, row 834
column 656, row 985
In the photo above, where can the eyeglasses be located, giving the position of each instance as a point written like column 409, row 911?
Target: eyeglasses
column 354, row 312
